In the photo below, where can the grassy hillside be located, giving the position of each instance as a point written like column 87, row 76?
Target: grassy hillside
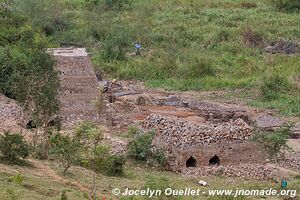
column 186, row 44
column 43, row 180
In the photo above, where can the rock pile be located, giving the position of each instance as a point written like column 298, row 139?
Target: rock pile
column 244, row 171
column 173, row 132
column 10, row 114
column 289, row 162
column 283, row 46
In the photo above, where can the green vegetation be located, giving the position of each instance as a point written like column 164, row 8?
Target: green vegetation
column 186, row 45
column 273, row 86
column 65, row 150
column 13, row 147
column 287, row 5
column 140, row 148
column 273, row 142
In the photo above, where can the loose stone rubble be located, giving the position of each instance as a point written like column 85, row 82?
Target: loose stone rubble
column 10, row 114
column 245, row 171
column 179, row 134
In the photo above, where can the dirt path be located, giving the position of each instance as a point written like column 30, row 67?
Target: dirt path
column 52, row 174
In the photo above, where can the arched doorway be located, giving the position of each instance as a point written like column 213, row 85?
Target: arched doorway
column 191, row 162
column 215, row 160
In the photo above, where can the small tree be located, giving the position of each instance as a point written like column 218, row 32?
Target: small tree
column 64, row 149
column 273, row 143
column 90, row 135
column 36, row 86
column 13, row 147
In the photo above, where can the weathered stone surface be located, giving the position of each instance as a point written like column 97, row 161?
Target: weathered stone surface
column 217, row 113
column 268, row 122
column 182, row 133
column 181, row 140
column 172, row 100
column 78, row 85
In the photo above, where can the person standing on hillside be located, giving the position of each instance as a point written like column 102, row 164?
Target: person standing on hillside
column 138, row 47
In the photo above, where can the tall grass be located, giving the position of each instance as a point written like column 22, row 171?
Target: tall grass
column 186, row 45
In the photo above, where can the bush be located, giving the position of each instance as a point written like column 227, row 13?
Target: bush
column 65, row 150
column 287, row 5
column 114, row 47
column 140, row 147
column 106, row 163
column 273, row 143
column 273, row 86
column 114, row 165
column 13, row 147
column 159, row 157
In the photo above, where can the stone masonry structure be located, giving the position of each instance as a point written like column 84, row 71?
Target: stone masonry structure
column 78, row 85
column 187, row 144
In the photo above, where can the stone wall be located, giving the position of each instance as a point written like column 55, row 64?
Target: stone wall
column 78, row 85
column 180, row 140
column 237, row 152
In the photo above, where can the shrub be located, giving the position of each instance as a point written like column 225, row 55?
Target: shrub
column 114, row 165
column 65, row 150
column 287, row 5
column 273, row 143
column 140, row 147
column 13, row 147
column 274, row 85
column 159, row 157
column 114, row 47
column 106, row 163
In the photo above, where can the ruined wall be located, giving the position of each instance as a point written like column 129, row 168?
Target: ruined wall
column 78, row 84
column 236, row 152
column 182, row 139
column 178, row 133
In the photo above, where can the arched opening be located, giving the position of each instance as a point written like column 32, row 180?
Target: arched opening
column 30, row 125
column 191, row 162
column 215, row 160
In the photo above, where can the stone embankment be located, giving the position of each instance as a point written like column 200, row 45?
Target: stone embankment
column 180, row 134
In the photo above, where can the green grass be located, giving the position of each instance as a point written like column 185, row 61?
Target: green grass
column 186, row 45
column 39, row 185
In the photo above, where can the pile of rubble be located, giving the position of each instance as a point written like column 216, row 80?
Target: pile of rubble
column 10, row 114
column 244, row 171
column 179, row 133
column 289, row 162
column 284, row 46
